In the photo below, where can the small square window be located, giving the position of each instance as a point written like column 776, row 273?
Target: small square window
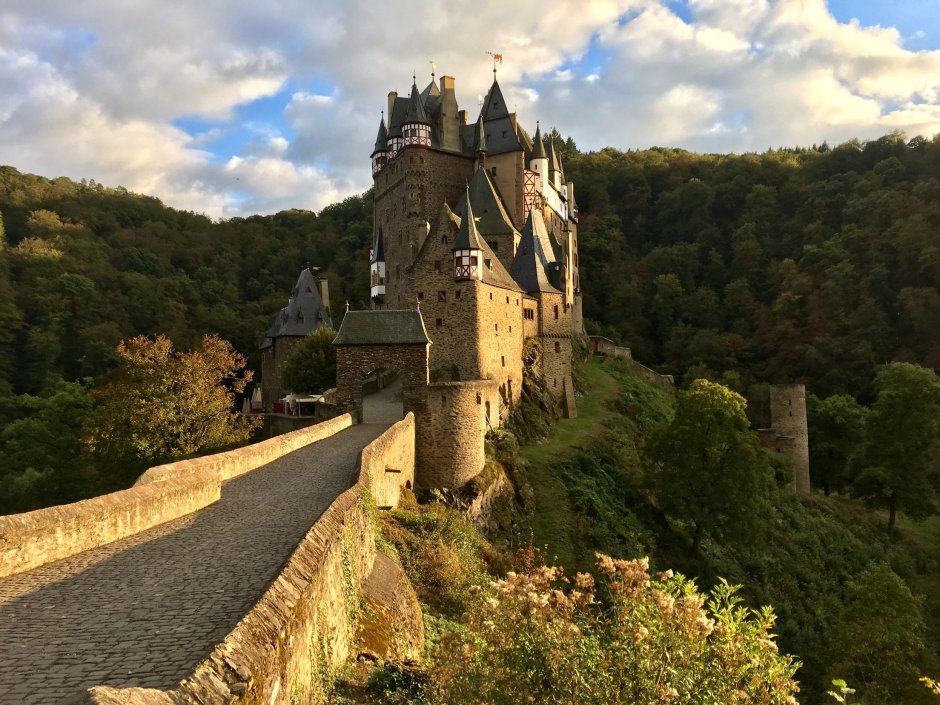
column 437, row 265
column 439, row 322
column 457, row 294
column 420, row 296
column 442, row 296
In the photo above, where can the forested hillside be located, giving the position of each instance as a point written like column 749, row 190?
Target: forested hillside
column 814, row 265
column 809, row 265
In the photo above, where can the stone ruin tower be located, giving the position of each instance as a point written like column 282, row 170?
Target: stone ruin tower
column 788, row 433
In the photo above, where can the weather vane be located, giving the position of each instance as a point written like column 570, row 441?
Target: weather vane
column 433, row 68
column 497, row 59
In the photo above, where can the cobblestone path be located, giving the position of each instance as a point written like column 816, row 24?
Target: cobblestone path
column 145, row 610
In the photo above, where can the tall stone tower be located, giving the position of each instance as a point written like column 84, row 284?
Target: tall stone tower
column 788, row 434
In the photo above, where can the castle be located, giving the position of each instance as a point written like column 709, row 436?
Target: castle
column 475, row 256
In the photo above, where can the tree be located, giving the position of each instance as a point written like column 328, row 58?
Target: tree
column 878, row 638
column 897, row 468
column 163, row 404
column 710, row 470
column 311, row 364
column 836, row 431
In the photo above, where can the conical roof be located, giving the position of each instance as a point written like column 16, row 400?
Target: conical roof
column 378, row 251
column 381, row 141
column 468, row 236
column 480, row 141
column 538, row 146
column 416, row 111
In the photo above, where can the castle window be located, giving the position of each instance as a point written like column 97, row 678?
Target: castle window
column 528, row 314
column 554, row 381
column 439, row 322
column 420, row 296
column 510, row 329
column 503, row 358
column 437, row 265
column 496, row 327
column 488, row 263
column 557, row 347
column 457, row 294
column 444, row 239
column 556, row 312
column 479, row 398
column 507, row 299
column 443, row 399
column 491, row 296
column 493, row 168
column 442, row 296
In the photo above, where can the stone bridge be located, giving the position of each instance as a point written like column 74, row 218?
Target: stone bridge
column 234, row 578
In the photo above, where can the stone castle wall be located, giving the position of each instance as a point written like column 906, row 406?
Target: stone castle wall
column 358, row 362
column 161, row 494
column 500, row 337
column 450, row 437
column 273, row 360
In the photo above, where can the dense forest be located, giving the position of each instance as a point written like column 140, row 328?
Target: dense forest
column 817, row 265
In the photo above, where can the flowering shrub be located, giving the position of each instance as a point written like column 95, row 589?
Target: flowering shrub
column 539, row 636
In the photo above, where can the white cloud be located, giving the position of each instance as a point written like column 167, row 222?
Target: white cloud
column 91, row 88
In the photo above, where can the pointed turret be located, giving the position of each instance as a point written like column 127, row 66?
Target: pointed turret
column 377, row 269
column 416, row 126
column 380, row 152
column 480, row 143
column 539, row 161
column 556, row 174
column 534, row 267
column 467, row 246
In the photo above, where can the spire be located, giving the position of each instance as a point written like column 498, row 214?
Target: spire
column 480, row 139
column 538, row 148
column 468, row 237
column 381, row 141
column 416, row 112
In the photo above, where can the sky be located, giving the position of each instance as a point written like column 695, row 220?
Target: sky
column 237, row 107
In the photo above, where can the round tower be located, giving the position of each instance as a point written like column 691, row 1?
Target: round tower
column 380, row 152
column 788, row 421
column 416, row 126
column 377, row 270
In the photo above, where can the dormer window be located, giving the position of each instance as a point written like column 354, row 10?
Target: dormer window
column 466, row 264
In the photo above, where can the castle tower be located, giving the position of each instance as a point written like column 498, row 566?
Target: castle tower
column 467, row 248
column 790, row 436
column 380, row 152
column 377, row 271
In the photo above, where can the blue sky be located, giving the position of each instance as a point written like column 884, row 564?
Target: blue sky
column 230, row 108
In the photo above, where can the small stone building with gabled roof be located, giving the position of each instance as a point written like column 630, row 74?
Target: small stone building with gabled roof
column 308, row 309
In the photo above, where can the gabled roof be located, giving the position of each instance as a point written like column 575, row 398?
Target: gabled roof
column 304, row 312
column 468, row 236
column 415, row 112
column 494, row 107
column 492, row 217
column 381, row 141
column 534, row 264
column 378, row 249
column 382, row 328
column 431, row 89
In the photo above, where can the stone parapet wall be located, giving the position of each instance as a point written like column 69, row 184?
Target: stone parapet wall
column 35, row 538
column 161, row 494
column 291, row 644
column 233, row 463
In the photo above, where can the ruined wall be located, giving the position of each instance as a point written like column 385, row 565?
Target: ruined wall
column 450, row 435
column 292, row 643
column 788, row 421
column 161, row 494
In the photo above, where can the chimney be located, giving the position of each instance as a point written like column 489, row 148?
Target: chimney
column 323, row 284
column 462, row 117
column 392, row 95
column 449, row 125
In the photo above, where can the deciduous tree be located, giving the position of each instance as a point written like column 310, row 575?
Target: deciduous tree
column 898, row 467
column 311, row 364
column 711, row 471
column 163, row 404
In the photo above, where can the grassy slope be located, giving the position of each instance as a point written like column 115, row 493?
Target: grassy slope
column 555, row 519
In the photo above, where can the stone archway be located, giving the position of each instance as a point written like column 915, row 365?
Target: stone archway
column 371, row 340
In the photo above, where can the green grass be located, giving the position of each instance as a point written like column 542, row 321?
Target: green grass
column 554, row 521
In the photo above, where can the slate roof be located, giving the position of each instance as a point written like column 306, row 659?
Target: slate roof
column 382, row 328
column 304, row 312
column 491, row 214
column 479, row 137
column 534, row 266
column 538, row 147
column 378, row 250
column 381, row 141
column 468, row 236
column 415, row 111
